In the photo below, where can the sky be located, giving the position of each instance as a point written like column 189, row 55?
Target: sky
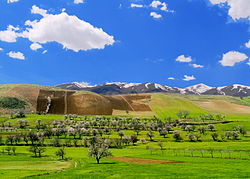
column 171, row 42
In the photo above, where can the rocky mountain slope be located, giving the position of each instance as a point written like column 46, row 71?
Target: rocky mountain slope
column 131, row 88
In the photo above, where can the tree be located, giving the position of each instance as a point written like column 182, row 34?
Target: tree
column 8, row 149
column 211, row 127
column 191, row 137
column 189, row 128
column 202, row 129
column 37, row 150
column 99, row 149
column 143, row 141
column 163, row 132
column 235, row 135
column 183, row 114
column 133, row 139
column 161, row 145
column 121, row 134
column 23, row 124
column 13, row 150
column 60, row 153
column 150, row 134
column 215, row 136
column 177, row 136
column 33, row 137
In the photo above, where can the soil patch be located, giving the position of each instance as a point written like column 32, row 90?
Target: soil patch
column 142, row 161
column 223, row 106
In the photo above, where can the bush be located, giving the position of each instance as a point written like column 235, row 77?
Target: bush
column 12, row 103
column 19, row 114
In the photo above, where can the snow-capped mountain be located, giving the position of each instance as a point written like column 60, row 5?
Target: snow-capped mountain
column 130, row 88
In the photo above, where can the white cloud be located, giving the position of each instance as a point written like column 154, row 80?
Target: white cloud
column 70, row 31
column 158, row 4
column 247, row 44
column 237, row 8
column 78, row 1
column 171, row 78
column 10, row 34
column 11, row 27
column 136, row 5
column 155, row 15
column 1, row 49
column 184, row 59
column 35, row 46
column 232, row 57
column 16, row 55
column 45, row 51
column 11, row 1
column 37, row 10
column 197, row 66
column 188, row 78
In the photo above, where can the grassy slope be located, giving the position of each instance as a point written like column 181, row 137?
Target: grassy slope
column 167, row 105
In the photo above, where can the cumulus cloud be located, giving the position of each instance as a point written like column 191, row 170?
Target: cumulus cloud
column 197, row 66
column 158, row 4
column 188, row 78
column 11, row 1
column 136, row 5
column 37, row 10
column 155, row 15
column 248, row 63
column 184, row 59
column 78, row 1
column 35, row 46
column 1, row 49
column 247, row 44
column 16, row 55
column 10, row 34
column 232, row 57
column 237, row 8
column 68, row 30
column 171, row 78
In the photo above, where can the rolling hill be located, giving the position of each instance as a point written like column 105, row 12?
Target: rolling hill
column 158, row 104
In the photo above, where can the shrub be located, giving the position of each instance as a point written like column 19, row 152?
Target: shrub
column 12, row 103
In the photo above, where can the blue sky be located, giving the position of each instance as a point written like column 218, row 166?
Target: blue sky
column 140, row 41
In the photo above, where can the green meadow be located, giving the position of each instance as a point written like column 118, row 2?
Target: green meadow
column 202, row 157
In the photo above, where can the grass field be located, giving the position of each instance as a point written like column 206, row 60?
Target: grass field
column 204, row 158
column 83, row 167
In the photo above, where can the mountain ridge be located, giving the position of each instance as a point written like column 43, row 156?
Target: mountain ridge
column 114, row 88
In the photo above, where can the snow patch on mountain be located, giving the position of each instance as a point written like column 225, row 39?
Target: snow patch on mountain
column 199, row 88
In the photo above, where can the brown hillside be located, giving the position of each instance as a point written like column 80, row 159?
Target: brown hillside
column 70, row 102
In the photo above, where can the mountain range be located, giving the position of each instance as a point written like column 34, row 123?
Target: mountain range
column 133, row 88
